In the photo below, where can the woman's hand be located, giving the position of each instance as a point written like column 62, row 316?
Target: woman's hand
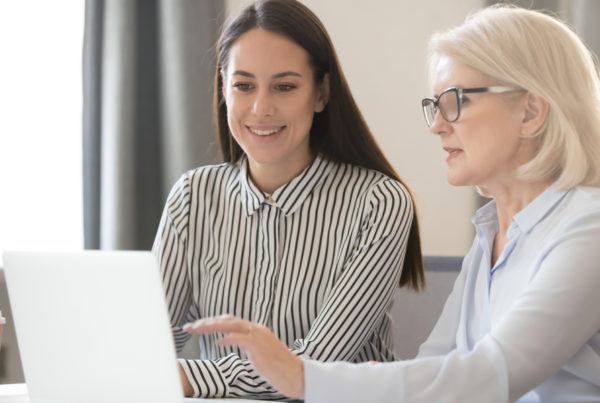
column 271, row 358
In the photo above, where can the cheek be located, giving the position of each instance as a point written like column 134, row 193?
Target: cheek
column 234, row 118
column 303, row 109
column 303, row 117
column 235, row 109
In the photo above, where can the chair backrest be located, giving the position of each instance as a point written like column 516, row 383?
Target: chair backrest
column 415, row 314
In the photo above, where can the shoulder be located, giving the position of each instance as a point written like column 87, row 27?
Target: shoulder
column 374, row 189
column 376, row 185
column 364, row 179
column 580, row 203
column 579, row 210
column 588, row 196
column 195, row 180
column 208, row 172
column 571, row 226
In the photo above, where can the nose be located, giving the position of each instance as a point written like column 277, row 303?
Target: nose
column 439, row 125
column 264, row 104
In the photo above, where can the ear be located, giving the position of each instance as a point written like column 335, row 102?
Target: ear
column 322, row 94
column 535, row 113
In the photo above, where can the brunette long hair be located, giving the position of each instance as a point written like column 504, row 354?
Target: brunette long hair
column 339, row 132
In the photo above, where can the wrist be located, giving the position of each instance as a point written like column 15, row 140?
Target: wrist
column 188, row 391
column 297, row 381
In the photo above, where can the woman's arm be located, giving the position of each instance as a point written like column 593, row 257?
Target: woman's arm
column 268, row 355
column 170, row 249
column 550, row 321
column 351, row 311
column 547, row 325
column 365, row 288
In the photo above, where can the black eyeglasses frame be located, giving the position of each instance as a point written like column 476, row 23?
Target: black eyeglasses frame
column 459, row 91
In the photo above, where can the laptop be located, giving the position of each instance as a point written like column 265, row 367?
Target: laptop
column 92, row 326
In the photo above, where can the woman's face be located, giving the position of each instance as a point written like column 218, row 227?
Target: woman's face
column 484, row 146
column 271, row 97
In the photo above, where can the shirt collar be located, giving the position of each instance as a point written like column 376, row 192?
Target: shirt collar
column 535, row 211
column 250, row 196
column 527, row 218
column 288, row 197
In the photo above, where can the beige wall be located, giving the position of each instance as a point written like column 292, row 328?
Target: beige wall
column 382, row 47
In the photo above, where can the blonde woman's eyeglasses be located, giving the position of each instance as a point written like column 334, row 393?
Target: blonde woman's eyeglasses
column 450, row 101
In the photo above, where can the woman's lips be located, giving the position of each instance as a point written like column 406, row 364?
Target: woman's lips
column 452, row 152
column 265, row 131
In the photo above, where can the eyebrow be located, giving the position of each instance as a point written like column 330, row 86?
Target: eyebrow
column 278, row 75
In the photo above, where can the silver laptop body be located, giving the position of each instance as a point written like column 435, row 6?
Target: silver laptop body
column 92, row 327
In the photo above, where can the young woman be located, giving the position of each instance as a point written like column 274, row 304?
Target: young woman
column 305, row 229
column 517, row 108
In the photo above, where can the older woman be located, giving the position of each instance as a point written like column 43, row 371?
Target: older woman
column 518, row 112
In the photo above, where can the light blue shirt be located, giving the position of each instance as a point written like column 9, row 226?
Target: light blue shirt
column 527, row 328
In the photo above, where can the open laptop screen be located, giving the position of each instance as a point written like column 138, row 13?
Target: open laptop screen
column 92, row 326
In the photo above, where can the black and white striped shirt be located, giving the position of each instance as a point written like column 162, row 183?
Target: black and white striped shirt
column 317, row 262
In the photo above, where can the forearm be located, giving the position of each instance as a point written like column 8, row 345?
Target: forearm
column 188, row 391
column 478, row 376
column 230, row 376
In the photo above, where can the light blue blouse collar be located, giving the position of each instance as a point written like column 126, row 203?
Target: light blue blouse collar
column 529, row 216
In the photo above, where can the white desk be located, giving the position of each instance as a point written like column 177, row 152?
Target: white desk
column 13, row 393
column 17, row 393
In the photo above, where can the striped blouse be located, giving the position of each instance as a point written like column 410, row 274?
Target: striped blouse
column 317, row 262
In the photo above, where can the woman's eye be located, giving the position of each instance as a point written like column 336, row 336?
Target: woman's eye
column 242, row 86
column 284, row 87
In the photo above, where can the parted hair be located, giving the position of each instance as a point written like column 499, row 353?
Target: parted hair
column 339, row 132
column 540, row 54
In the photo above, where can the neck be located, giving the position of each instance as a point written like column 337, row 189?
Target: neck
column 269, row 177
column 510, row 199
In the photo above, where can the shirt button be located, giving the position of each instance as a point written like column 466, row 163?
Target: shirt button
column 271, row 200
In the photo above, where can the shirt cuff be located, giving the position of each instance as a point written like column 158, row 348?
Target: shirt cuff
column 335, row 382
column 205, row 378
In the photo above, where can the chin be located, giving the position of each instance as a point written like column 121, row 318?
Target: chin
column 454, row 180
column 459, row 181
column 464, row 177
column 261, row 158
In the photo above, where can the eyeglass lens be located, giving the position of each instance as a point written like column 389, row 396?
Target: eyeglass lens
column 447, row 103
column 429, row 110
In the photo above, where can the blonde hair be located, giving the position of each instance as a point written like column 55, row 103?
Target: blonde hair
column 536, row 52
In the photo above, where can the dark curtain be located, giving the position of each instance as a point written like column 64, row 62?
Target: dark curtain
column 148, row 71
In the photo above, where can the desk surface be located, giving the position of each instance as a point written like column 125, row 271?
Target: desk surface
column 17, row 393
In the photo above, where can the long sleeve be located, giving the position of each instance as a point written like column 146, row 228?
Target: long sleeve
column 473, row 377
column 354, row 307
column 553, row 324
column 170, row 250
column 365, row 288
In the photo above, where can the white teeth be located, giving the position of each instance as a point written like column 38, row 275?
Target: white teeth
column 264, row 132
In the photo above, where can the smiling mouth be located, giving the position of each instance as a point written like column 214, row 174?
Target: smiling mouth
column 265, row 131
